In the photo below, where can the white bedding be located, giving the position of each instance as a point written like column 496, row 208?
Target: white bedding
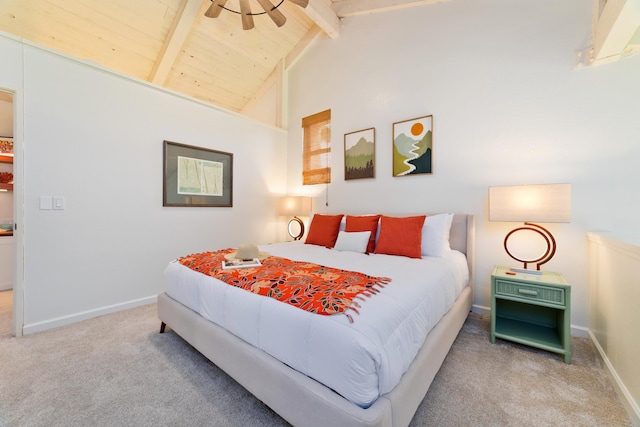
column 359, row 360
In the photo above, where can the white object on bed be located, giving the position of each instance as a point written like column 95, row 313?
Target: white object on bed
column 359, row 360
column 435, row 234
column 352, row 241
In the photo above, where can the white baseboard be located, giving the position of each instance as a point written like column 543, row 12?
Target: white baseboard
column 480, row 309
column 579, row 331
column 6, row 286
column 73, row 318
column 632, row 407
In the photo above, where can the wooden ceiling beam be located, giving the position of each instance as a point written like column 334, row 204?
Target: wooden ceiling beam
column 307, row 40
column 320, row 12
column 614, row 30
column 185, row 18
column 344, row 8
column 279, row 79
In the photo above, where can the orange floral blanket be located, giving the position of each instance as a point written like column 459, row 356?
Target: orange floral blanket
column 311, row 287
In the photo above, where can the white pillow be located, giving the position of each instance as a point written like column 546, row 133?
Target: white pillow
column 435, row 235
column 354, row 241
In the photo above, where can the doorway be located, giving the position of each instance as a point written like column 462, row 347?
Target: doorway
column 7, row 247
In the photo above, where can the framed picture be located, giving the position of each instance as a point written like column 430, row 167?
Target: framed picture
column 195, row 176
column 413, row 146
column 360, row 154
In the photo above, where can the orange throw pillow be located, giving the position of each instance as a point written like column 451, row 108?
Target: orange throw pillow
column 364, row 223
column 323, row 230
column 401, row 236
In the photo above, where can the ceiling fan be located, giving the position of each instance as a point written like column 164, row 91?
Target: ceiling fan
column 245, row 11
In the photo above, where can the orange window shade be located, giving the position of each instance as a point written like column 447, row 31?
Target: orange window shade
column 317, row 148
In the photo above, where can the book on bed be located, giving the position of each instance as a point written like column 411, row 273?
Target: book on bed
column 240, row 263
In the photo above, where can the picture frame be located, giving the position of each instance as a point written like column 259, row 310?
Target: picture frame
column 413, row 146
column 196, row 176
column 360, row 154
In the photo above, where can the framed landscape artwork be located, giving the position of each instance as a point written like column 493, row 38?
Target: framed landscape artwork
column 359, row 154
column 195, row 176
column 413, row 146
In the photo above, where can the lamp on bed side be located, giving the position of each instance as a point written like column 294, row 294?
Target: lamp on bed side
column 294, row 206
column 528, row 203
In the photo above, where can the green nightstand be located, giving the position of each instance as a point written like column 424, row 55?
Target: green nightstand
column 532, row 309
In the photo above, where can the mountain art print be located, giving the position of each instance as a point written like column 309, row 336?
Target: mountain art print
column 359, row 154
column 413, row 146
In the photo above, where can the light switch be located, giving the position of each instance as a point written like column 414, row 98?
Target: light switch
column 46, row 202
column 58, row 202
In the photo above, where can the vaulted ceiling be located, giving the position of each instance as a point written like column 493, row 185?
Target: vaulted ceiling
column 173, row 44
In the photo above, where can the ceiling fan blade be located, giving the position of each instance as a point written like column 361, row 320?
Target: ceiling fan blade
column 301, row 3
column 273, row 12
column 245, row 12
column 215, row 8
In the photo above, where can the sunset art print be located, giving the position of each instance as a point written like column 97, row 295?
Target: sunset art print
column 413, row 146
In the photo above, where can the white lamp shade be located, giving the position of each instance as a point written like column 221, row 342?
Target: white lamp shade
column 294, row 206
column 535, row 203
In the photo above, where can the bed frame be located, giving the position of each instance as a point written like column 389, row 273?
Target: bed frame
column 302, row 401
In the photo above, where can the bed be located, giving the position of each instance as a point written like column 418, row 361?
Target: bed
column 246, row 335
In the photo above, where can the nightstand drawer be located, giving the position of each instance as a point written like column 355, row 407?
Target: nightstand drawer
column 531, row 292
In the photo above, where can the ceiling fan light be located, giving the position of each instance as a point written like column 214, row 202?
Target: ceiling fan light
column 276, row 16
column 215, row 8
column 245, row 11
column 301, row 3
column 247, row 17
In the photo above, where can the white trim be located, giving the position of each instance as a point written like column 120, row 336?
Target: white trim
column 624, row 248
column 632, row 407
column 481, row 309
column 84, row 315
column 579, row 331
column 18, row 208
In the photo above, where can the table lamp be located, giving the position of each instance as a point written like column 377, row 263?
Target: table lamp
column 528, row 204
column 295, row 206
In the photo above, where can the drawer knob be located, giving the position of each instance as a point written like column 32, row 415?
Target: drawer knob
column 528, row 292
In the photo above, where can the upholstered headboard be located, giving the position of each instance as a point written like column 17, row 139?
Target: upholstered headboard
column 462, row 238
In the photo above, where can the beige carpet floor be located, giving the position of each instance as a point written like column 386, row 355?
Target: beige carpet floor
column 117, row 370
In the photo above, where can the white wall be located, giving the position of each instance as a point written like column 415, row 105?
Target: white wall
column 508, row 106
column 95, row 138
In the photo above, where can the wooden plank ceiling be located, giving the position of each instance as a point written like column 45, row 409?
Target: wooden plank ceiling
column 172, row 44
column 168, row 42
